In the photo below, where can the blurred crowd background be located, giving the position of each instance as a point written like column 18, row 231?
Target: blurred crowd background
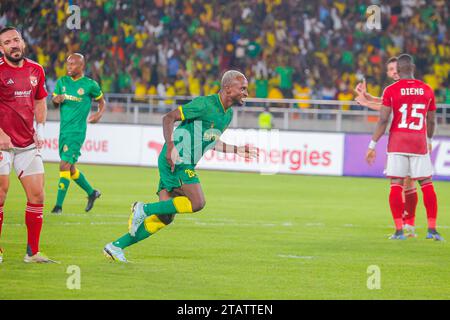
column 287, row 48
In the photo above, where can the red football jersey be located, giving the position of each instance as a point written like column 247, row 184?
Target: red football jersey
column 19, row 87
column 410, row 100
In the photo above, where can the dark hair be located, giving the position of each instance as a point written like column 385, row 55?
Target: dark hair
column 393, row 59
column 405, row 58
column 6, row 29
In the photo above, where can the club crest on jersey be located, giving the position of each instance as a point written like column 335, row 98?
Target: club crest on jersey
column 1, row 156
column 65, row 148
column 34, row 81
column 80, row 91
column 63, row 89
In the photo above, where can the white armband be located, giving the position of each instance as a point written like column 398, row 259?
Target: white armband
column 372, row 144
column 429, row 140
column 40, row 131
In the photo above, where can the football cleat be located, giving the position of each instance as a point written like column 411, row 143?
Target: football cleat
column 114, row 253
column 137, row 217
column 398, row 235
column 91, row 199
column 410, row 231
column 38, row 258
column 1, row 255
column 57, row 210
column 433, row 234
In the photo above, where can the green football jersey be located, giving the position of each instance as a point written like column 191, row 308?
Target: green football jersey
column 204, row 119
column 77, row 104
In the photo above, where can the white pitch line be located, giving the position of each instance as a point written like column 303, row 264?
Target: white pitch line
column 290, row 256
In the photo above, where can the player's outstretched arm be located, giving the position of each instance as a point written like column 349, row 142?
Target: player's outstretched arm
column 380, row 129
column 247, row 151
column 365, row 99
column 94, row 118
column 40, row 115
column 5, row 141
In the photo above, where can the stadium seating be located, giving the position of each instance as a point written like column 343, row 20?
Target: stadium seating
column 170, row 47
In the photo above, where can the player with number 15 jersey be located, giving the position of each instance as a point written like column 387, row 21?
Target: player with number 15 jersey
column 410, row 100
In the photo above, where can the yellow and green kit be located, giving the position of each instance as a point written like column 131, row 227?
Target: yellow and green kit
column 73, row 113
column 204, row 120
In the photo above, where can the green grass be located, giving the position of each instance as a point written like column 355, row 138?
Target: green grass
column 259, row 237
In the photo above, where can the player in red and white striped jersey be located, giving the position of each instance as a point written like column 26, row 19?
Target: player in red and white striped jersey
column 412, row 105
column 22, row 100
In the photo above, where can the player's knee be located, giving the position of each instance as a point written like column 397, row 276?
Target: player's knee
column 3, row 193
column 198, row 205
column 166, row 218
column 36, row 196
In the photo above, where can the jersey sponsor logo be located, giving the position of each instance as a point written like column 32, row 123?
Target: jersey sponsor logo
column 22, row 94
column 33, row 81
column 72, row 98
column 10, row 81
column 80, row 91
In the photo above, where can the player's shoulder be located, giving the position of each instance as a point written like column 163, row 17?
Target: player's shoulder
column 390, row 87
column 33, row 64
column 424, row 85
column 200, row 101
column 90, row 81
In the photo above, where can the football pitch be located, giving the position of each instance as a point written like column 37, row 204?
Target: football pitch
column 259, row 237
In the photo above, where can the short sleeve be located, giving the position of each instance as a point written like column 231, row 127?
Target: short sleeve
column 58, row 88
column 387, row 98
column 41, row 91
column 96, row 92
column 193, row 109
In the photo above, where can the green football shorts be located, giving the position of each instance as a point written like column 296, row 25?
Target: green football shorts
column 183, row 174
column 69, row 149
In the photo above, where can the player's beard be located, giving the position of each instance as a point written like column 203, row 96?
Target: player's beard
column 15, row 60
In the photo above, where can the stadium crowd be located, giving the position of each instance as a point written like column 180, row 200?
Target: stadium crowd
column 287, row 48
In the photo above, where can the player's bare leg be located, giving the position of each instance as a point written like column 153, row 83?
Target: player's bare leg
column 410, row 204
column 430, row 202
column 4, row 186
column 397, row 207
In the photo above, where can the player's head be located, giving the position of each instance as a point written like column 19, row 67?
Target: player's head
column 405, row 66
column 235, row 85
column 391, row 69
column 75, row 65
column 12, row 45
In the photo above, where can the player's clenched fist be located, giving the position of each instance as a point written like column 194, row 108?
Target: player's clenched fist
column 5, row 141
